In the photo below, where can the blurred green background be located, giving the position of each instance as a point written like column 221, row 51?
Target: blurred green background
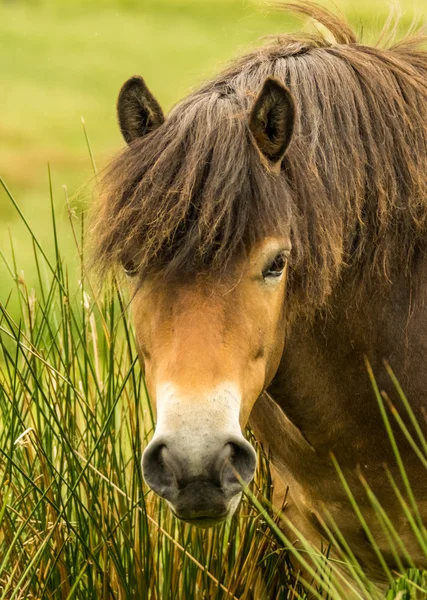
column 63, row 60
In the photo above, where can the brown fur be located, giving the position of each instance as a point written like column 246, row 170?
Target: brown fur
column 193, row 193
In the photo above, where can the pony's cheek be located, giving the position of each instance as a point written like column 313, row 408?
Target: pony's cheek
column 253, row 384
column 271, row 338
column 274, row 343
column 273, row 364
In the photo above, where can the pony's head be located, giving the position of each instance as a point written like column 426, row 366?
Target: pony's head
column 205, row 210
column 204, row 235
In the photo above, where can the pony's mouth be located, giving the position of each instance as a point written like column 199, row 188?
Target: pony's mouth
column 204, row 522
column 207, row 515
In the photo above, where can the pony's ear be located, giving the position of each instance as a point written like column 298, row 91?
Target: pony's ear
column 272, row 120
column 137, row 109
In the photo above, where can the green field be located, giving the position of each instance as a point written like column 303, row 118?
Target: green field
column 76, row 519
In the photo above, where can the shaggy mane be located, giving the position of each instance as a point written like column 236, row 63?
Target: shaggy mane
column 191, row 195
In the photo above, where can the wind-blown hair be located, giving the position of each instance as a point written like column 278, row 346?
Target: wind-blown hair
column 193, row 193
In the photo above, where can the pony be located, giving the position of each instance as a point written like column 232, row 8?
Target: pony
column 273, row 229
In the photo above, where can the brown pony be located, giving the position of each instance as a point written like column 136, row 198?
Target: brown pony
column 274, row 230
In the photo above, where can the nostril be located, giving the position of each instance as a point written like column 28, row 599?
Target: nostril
column 159, row 469
column 239, row 461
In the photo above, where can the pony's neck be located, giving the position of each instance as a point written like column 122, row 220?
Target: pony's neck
column 323, row 371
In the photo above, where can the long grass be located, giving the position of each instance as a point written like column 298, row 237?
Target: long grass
column 76, row 519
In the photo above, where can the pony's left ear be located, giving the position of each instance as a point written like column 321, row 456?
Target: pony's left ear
column 272, row 120
column 137, row 110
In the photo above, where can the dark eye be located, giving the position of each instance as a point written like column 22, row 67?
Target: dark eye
column 276, row 267
column 129, row 268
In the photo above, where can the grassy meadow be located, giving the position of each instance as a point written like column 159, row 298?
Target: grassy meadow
column 76, row 520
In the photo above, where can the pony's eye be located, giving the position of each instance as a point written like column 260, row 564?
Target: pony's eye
column 276, row 267
column 129, row 268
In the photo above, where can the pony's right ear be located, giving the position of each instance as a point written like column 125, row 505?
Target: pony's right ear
column 137, row 110
column 272, row 119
